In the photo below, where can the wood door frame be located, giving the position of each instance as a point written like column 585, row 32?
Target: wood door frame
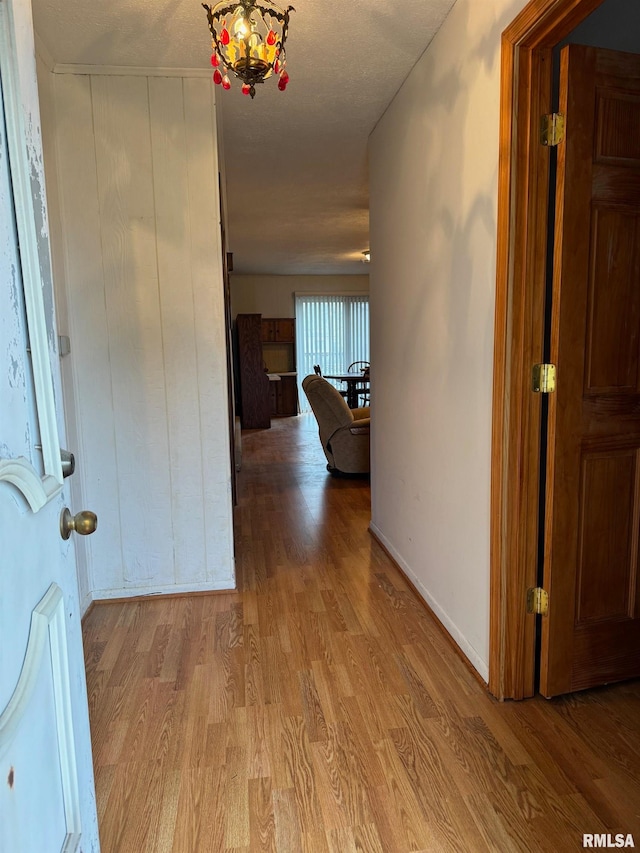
column 525, row 95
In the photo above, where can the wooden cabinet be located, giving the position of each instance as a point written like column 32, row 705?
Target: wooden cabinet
column 279, row 344
column 288, row 399
column 278, row 330
column 284, row 397
column 279, row 356
column 254, row 385
column 266, row 345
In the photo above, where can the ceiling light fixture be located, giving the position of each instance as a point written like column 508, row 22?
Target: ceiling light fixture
column 248, row 40
column 366, row 256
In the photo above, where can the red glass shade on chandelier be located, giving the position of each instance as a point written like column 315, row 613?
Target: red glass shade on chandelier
column 248, row 40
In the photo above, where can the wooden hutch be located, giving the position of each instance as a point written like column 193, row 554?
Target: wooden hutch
column 267, row 369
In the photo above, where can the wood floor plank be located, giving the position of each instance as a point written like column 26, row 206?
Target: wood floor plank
column 300, row 771
column 262, row 826
column 320, row 708
column 288, row 835
column 200, row 816
column 492, row 830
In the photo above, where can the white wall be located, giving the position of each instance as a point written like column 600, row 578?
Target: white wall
column 133, row 166
column 433, row 202
column 273, row 295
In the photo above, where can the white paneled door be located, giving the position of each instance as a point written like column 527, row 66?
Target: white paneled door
column 47, row 800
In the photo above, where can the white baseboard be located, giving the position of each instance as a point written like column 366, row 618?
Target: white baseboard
column 85, row 603
column 222, row 585
column 452, row 629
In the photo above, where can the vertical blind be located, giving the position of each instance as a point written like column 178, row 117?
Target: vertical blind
column 332, row 331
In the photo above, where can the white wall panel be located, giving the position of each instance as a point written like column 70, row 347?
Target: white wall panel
column 87, row 368
column 129, row 256
column 137, row 169
column 210, row 332
column 170, row 159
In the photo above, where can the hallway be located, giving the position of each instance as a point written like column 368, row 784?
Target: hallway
column 320, row 708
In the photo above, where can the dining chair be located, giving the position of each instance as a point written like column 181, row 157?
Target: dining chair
column 364, row 390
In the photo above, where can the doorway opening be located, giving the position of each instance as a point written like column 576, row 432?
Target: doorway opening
column 521, row 305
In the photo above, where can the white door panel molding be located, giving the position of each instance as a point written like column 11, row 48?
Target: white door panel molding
column 46, row 660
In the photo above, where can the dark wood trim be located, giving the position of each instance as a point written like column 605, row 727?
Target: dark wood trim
column 227, row 268
column 420, row 599
column 519, row 316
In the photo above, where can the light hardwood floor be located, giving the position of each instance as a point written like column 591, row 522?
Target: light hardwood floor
column 320, row 708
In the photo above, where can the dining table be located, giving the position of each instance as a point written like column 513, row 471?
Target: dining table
column 356, row 383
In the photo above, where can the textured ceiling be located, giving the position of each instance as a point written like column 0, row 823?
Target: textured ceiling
column 296, row 161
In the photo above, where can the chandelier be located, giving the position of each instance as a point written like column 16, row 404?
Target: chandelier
column 248, row 40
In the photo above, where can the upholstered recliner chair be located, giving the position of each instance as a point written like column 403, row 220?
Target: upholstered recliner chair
column 344, row 432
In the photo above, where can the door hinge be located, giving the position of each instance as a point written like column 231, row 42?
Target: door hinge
column 552, row 129
column 543, row 378
column 537, row 601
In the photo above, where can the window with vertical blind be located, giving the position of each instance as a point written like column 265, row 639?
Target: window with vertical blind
column 332, row 331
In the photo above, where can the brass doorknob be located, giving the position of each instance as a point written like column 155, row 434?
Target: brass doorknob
column 84, row 522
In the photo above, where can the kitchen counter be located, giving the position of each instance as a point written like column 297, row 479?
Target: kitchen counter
column 275, row 377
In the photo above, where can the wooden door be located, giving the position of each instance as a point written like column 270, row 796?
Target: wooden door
column 592, row 633
column 268, row 330
column 285, row 330
column 47, row 799
column 284, row 397
column 288, row 396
